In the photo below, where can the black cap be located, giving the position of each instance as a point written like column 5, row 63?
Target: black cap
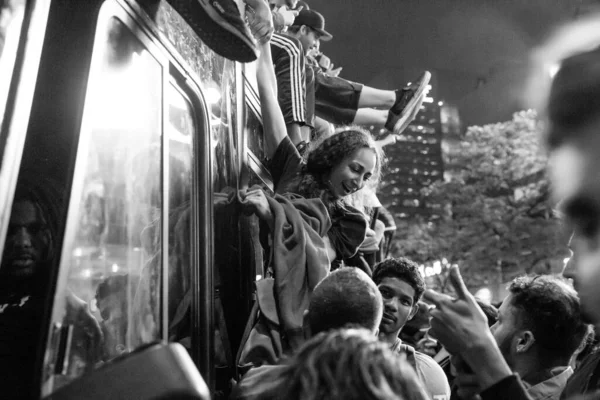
column 315, row 21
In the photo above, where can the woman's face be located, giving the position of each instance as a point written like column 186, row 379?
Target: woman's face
column 351, row 174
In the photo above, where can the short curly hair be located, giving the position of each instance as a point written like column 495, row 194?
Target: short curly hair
column 403, row 269
column 326, row 154
column 550, row 308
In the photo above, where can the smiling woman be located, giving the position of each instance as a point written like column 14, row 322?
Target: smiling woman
column 333, row 169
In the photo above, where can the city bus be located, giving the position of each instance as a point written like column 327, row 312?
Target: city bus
column 145, row 136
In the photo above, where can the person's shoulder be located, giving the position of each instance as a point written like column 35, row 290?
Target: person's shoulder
column 426, row 362
column 288, row 42
column 252, row 383
column 433, row 376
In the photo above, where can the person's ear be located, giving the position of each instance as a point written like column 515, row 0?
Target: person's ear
column 304, row 30
column 414, row 311
column 525, row 341
column 305, row 325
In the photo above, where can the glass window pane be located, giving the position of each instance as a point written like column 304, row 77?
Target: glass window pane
column 11, row 19
column 179, row 130
column 111, row 300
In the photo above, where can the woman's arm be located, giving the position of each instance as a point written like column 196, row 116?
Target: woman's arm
column 273, row 123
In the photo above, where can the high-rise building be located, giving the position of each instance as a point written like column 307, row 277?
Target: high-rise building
column 414, row 162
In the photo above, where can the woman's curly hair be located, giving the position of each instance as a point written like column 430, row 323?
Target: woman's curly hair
column 344, row 364
column 324, row 155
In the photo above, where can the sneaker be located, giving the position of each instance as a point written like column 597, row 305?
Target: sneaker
column 220, row 26
column 407, row 105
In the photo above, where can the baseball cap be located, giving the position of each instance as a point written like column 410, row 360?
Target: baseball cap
column 315, row 21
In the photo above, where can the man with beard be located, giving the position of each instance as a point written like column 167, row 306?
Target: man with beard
column 24, row 278
column 539, row 328
column 401, row 285
column 572, row 104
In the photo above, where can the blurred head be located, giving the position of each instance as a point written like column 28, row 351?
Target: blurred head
column 540, row 319
column 344, row 162
column 401, row 285
column 572, row 106
column 331, row 306
column 346, row 364
column 31, row 231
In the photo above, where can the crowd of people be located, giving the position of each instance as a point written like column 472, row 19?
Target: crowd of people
column 538, row 344
column 336, row 317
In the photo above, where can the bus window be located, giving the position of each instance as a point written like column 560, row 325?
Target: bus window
column 108, row 300
column 11, row 19
column 179, row 130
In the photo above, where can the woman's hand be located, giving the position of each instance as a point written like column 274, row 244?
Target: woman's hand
column 255, row 202
column 260, row 20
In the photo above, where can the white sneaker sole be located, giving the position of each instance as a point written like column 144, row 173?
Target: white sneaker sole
column 414, row 104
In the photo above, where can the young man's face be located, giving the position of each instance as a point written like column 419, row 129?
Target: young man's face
column 398, row 304
column 27, row 241
column 575, row 175
column 309, row 39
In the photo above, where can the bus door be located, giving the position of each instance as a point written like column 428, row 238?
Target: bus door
column 116, row 174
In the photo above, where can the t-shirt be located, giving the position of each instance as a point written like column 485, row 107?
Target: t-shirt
column 429, row 372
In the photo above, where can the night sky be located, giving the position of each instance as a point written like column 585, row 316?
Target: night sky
column 477, row 50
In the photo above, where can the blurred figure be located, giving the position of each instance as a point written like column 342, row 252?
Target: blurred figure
column 401, row 285
column 344, row 364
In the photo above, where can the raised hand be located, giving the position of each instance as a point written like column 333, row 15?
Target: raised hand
column 260, row 20
column 255, row 202
column 457, row 322
column 461, row 326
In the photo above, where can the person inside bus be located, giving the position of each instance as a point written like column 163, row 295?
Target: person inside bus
column 25, row 273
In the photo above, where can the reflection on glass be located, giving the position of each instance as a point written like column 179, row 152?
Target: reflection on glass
column 180, row 130
column 113, row 238
column 11, row 19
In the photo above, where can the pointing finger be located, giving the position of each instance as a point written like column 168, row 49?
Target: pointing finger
column 435, row 298
column 457, row 283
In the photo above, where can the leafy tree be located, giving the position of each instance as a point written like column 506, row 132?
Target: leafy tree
column 493, row 213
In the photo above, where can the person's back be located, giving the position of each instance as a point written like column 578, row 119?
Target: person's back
column 331, row 307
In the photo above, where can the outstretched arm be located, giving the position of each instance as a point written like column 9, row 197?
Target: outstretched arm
column 273, row 123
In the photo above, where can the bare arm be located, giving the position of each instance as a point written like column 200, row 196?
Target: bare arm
column 273, row 123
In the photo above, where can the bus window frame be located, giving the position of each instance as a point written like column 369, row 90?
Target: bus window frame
column 109, row 9
column 173, row 71
column 18, row 104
